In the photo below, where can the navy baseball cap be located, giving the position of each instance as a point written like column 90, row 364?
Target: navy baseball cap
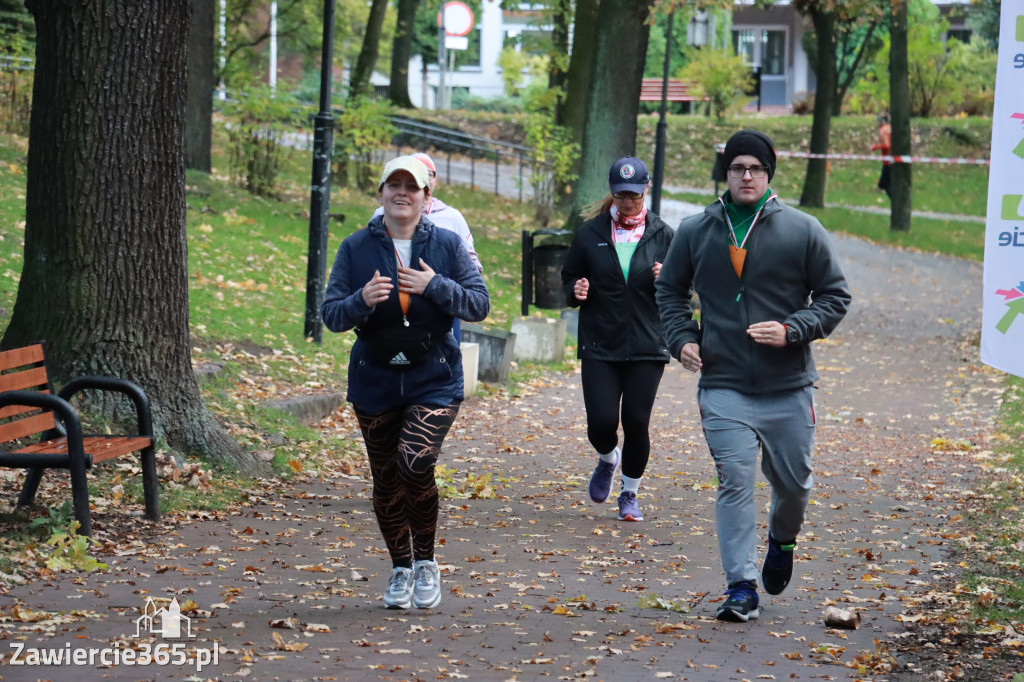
column 628, row 174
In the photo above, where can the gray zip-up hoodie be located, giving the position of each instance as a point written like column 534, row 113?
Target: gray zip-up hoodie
column 791, row 275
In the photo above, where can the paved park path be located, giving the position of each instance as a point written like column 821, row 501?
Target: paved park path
column 539, row 583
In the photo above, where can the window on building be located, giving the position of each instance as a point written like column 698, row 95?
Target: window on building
column 961, row 34
column 743, row 42
column 773, row 53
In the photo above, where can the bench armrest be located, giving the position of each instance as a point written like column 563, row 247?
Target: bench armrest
column 132, row 391
column 61, row 408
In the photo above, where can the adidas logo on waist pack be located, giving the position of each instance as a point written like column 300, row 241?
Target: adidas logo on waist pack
column 400, row 359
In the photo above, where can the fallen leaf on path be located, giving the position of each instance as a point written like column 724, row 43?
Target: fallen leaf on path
column 281, row 645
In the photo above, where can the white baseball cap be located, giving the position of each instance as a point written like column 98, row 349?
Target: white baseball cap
column 412, row 165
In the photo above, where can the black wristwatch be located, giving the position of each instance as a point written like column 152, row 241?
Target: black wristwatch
column 792, row 335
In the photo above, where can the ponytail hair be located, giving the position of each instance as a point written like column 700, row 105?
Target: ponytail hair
column 596, row 208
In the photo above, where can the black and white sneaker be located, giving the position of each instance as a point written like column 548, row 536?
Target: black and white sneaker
column 741, row 602
column 777, row 568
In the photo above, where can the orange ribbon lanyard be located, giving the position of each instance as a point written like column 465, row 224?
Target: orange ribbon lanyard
column 403, row 297
column 737, row 251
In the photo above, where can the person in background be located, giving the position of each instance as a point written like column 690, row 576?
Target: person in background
column 609, row 274
column 400, row 282
column 884, row 145
column 769, row 283
column 449, row 218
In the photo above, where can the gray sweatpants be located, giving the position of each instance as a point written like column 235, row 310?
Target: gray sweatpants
column 737, row 427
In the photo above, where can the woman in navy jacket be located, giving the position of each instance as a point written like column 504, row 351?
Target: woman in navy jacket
column 609, row 274
column 405, row 369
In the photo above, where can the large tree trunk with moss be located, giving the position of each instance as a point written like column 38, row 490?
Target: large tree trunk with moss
column 105, row 275
column 199, row 105
column 561, row 21
column 401, row 50
column 825, row 68
column 619, row 52
column 572, row 112
column 359, row 82
column 899, row 101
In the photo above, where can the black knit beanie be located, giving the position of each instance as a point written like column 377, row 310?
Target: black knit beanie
column 753, row 143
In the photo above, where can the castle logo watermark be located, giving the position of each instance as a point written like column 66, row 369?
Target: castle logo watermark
column 167, row 622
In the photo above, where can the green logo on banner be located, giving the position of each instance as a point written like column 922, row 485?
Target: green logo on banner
column 1020, row 28
column 1011, row 207
column 1014, row 299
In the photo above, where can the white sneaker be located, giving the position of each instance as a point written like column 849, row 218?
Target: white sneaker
column 427, row 578
column 399, row 592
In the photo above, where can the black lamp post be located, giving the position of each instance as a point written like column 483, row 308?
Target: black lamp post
column 659, row 144
column 320, row 198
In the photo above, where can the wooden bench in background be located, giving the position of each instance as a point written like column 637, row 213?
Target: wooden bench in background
column 678, row 91
column 29, row 408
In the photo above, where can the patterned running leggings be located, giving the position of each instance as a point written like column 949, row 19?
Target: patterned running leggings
column 403, row 444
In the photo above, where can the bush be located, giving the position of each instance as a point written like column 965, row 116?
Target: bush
column 362, row 132
column 946, row 78
column 804, row 104
column 16, row 73
column 720, row 77
column 500, row 105
column 258, row 120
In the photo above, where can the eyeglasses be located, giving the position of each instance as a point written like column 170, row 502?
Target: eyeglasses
column 431, row 174
column 755, row 171
column 626, row 196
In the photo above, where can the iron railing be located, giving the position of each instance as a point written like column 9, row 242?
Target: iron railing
column 507, row 161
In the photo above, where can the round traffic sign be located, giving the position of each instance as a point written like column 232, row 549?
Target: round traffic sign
column 458, row 19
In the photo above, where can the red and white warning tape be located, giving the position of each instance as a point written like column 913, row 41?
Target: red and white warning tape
column 887, row 157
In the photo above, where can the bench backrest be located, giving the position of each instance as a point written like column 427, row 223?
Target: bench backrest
column 23, row 369
column 678, row 90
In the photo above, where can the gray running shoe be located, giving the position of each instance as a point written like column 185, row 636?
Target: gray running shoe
column 399, row 592
column 427, row 579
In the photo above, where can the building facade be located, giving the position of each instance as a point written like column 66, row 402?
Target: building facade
column 769, row 39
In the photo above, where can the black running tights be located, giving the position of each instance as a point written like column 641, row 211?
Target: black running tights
column 403, row 444
column 633, row 385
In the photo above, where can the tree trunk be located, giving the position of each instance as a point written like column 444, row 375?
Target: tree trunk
column 581, row 67
column 105, row 274
column 199, row 105
column 401, row 50
column 572, row 113
column 619, row 52
column 817, row 169
column 360, row 80
column 561, row 20
column 899, row 101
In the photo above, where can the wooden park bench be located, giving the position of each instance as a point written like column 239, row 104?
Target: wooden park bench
column 29, row 408
column 678, row 91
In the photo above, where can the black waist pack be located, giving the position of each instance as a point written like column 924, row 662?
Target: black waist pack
column 401, row 347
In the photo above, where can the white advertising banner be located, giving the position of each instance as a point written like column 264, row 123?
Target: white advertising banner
column 1002, row 331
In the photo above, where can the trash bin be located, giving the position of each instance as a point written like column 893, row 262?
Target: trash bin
column 542, row 269
column 548, row 260
column 718, row 168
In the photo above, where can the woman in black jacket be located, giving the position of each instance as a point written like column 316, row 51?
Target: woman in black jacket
column 609, row 274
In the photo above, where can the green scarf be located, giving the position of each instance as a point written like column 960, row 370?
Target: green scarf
column 742, row 215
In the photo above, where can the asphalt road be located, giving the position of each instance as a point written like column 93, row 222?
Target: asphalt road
column 539, row 583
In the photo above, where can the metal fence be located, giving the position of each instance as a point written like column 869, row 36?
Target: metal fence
column 467, row 156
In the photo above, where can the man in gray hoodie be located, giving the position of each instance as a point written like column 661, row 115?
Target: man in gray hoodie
column 769, row 284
